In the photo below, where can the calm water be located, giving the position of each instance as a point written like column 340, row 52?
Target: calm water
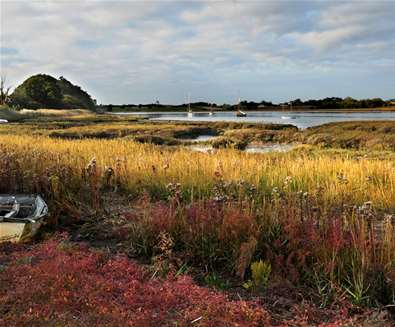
column 207, row 148
column 299, row 119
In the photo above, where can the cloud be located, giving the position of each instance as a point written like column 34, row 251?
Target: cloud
column 135, row 51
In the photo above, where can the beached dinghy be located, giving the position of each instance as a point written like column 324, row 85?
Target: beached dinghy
column 21, row 216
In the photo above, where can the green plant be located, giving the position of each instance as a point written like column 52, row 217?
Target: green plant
column 213, row 280
column 260, row 273
column 324, row 289
column 357, row 287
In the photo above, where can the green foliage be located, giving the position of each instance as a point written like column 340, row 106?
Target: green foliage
column 358, row 286
column 74, row 96
column 260, row 273
column 214, row 281
column 324, row 289
column 45, row 91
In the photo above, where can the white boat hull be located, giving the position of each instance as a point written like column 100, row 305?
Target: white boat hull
column 18, row 232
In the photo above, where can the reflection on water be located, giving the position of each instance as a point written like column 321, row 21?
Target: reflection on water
column 201, row 148
column 200, row 138
column 301, row 119
column 268, row 148
column 249, row 149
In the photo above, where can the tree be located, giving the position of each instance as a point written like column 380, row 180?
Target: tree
column 44, row 89
column 4, row 91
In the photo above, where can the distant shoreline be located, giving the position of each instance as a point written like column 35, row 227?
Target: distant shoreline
column 150, row 110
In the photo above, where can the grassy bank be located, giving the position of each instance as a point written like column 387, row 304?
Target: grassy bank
column 352, row 135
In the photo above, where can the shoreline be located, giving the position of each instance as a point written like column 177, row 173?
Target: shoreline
column 389, row 109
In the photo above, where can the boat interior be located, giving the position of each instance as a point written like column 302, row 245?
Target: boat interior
column 21, row 207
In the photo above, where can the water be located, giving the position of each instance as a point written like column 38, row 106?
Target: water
column 201, row 148
column 264, row 148
column 200, row 138
column 268, row 148
column 301, row 119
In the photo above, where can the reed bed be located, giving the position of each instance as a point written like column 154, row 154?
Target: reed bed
column 138, row 167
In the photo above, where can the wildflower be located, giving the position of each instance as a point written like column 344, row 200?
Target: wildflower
column 175, row 190
column 365, row 210
column 341, row 177
column 287, row 180
column 241, row 182
column 218, row 171
column 220, row 198
column 108, row 174
column 91, row 167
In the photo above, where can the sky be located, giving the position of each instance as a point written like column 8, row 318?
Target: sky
column 140, row 51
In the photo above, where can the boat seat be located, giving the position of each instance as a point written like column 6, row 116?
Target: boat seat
column 12, row 212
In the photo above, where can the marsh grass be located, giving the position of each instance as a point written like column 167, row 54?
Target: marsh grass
column 139, row 167
column 308, row 213
column 378, row 135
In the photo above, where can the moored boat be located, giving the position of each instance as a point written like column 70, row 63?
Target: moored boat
column 21, row 216
column 190, row 112
column 240, row 113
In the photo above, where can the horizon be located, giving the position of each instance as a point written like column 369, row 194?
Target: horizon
column 137, row 52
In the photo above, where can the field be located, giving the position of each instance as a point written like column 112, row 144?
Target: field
column 304, row 237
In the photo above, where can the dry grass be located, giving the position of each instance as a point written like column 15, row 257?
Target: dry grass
column 139, row 166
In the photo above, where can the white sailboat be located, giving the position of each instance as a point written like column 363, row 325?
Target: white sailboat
column 190, row 112
column 211, row 112
column 240, row 113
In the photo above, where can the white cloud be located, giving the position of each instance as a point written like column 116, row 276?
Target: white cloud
column 167, row 46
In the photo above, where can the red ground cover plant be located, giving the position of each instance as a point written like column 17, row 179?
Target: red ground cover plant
column 60, row 283
column 57, row 283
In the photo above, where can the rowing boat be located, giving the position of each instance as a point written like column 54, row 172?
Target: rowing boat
column 21, row 216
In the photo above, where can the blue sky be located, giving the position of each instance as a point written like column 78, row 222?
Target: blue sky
column 137, row 51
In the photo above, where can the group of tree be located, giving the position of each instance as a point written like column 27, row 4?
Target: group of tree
column 326, row 103
column 339, row 103
column 45, row 91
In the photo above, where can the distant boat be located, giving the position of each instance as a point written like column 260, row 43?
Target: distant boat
column 190, row 112
column 285, row 117
column 240, row 113
column 211, row 112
